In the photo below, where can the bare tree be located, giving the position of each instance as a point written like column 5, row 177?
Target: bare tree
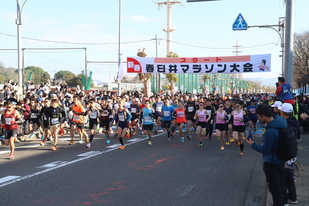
column 301, row 59
column 144, row 77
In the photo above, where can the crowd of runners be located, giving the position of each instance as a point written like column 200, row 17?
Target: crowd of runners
column 45, row 113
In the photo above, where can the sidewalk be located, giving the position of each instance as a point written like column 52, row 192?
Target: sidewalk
column 302, row 182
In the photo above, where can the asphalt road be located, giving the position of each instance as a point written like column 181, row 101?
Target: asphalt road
column 166, row 173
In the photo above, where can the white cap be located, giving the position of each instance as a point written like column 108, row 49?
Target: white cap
column 277, row 104
column 286, row 107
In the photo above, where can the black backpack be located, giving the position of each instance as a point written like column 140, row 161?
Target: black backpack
column 288, row 141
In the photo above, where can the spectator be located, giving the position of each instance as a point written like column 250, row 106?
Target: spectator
column 273, row 167
column 284, row 91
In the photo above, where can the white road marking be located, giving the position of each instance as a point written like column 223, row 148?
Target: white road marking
column 53, row 164
column 7, row 178
column 113, row 146
column 88, row 153
column 183, row 191
column 133, row 140
column 19, row 178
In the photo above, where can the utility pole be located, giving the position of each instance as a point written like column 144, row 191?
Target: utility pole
column 289, row 40
column 119, row 49
column 168, row 28
column 237, row 46
column 19, row 52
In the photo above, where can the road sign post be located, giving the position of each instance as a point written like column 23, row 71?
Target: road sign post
column 240, row 23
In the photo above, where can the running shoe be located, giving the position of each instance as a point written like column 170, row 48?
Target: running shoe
column 227, row 142
column 182, row 139
column 293, row 201
column 156, row 132
column 149, row 142
column 88, row 145
column 222, row 148
column 168, row 139
column 231, row 140
column 218, row 137
column 241, row 154
column 122, row 147
column 71, row 142
column 11, row 156
column 147, row 137
column 254, row 129
column 31, row 135
column 189, row 137
column 80, row 142
column 54, row 148
column 107, row 141
column 134, row 133
column 200, row 145
column 172, row 134
column 42, row 143
column 237, row 143
column 42, row 137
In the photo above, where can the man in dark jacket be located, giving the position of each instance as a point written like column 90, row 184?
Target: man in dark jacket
column 273, row 167
column 286, row 111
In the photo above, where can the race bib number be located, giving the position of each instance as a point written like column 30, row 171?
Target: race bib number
column 148, row 119
column 133, row 110
column 33, row 116
column 209, row 112
column 190, row 109
column 229, row 116
column 93, row 115
column 105, row 113
column 76, row 118
column 180, row 114
column 55, row 121
column 121, row 117
column 166, row 113
column 159, row 109
column 9, row 121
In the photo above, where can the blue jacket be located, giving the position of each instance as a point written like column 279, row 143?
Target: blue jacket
column 271, row 140
column 286, row 92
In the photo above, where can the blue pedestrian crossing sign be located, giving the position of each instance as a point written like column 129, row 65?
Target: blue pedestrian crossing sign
column 240, row 23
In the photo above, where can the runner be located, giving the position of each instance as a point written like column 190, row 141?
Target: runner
column 135, row 112
column 105, row 114
column 55, row 116
column 167, row 116
column 35, row 119
column 175, row 106
column 45, row 121
column 180, row 118
column 221, row 124
column 229, row 132
column 9, row 120
column 157, row 105
column 93, row 112
column 211, row 111
column 190, row 112
column 147, row 115
column 123, row 116
column 239, row 118
column 78, row 120
column 252, row 116
column 202, row 116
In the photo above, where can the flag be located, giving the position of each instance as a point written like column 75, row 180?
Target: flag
column 120, row 72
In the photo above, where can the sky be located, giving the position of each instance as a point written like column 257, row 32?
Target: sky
column 202, row 29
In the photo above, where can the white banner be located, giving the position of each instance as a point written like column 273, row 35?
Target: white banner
column 186, row 65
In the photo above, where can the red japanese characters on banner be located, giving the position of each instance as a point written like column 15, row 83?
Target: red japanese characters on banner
column 227, row 64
